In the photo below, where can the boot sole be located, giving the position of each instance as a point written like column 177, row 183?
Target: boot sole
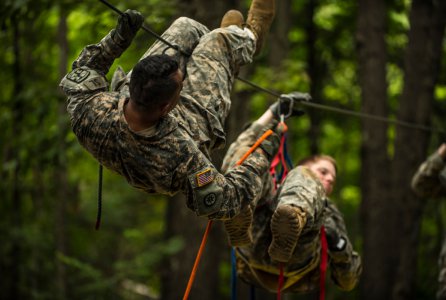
column 285, row 229
column 238, row 229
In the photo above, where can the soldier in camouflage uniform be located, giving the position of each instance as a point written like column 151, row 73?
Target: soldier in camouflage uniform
column 430, row 182
column 159, row 124
column 286, row 228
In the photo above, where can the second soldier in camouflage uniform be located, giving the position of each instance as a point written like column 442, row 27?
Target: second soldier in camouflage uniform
column 286, row 228
column 430, row 182
column 174, row 154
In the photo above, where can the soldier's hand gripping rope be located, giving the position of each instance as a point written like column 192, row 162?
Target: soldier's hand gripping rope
column 286, row 105
column 128, row 25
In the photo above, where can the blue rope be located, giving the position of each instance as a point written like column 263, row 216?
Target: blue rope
column 233, row 275
column 287, row 158
column 252, row 292
column 286, row 155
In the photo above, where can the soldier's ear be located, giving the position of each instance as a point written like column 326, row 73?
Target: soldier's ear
column 165, row 108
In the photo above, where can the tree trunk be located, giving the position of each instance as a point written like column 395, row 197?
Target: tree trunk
column 182, row 221
column 14, row 260
column 207, row 12
column 376, row 215
column 314, row 71
column 422, row 61
column 278, row 42
column 60, row 171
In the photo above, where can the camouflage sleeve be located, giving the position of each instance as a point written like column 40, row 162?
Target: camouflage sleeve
column 88, row 75
column 345, row 264
column 425, row 182
column 219, row 196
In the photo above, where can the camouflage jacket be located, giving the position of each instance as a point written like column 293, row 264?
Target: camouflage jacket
column 177, row 156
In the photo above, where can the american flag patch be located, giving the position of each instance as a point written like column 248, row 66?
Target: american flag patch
column 204, row 177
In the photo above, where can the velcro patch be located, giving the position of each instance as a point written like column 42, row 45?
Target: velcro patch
column 204, row 177
column 78, row 75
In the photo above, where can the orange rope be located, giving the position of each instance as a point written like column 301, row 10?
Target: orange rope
column 208, row 228
column 253, row 147
column 197, row 260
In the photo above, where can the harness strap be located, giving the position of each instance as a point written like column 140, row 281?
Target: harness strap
column 262, row 273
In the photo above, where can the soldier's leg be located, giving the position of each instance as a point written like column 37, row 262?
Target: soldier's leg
column 300, row 206
column 212, row 67
column 184, row 33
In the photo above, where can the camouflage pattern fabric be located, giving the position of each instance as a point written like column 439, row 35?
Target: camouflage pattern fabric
column 177, row 156
column 426, row 184
column 300, row 188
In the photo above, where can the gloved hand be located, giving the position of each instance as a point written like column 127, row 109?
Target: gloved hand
column 128, row 25
column 285, row 105
column 335, row 242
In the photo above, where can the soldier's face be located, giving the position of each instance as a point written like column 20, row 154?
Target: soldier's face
column 326, row 173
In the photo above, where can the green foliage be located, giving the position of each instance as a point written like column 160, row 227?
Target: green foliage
column 49, row 182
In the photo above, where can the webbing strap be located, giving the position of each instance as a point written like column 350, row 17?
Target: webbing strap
column 280, row 283
column 323, row 265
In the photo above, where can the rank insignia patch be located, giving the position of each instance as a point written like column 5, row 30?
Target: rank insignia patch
column 204, row 177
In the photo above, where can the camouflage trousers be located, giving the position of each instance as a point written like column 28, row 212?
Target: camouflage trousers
column 214, row 60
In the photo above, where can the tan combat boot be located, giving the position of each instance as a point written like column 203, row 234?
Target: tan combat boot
column 260, row 17
column 232, row 17
column 239, row 228
column 286, row 225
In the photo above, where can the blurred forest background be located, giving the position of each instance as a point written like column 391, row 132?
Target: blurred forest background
column 385, row 58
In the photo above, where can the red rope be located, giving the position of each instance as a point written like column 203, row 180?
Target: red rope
column 323, row 266
column 279, row 158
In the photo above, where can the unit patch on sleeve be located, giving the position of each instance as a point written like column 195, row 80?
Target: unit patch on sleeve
column 78, row 75
column 204, row 177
